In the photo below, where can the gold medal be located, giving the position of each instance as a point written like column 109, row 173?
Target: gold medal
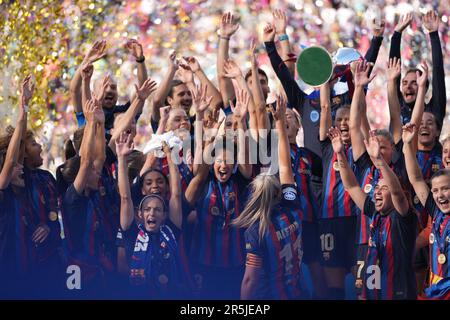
column 442, row 258
column 367, row 188
column 53, row 216
column 163, row 279
column 416, row 200
column 336, row 166
column 336, row 100
column 435, row 167
column 358, row 283
column 431, row 238
column 215, row 211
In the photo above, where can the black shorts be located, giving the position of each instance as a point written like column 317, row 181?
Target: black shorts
column 337, row 241
column 311, row 242
column 361, row 266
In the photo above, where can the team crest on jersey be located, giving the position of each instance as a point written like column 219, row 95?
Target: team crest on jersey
column 367, row 188
column 435, row 167
column 289, row 194
column 215, row 211
column 416, row 200
column 102, row 191
column 431, row 238
column 232, row 196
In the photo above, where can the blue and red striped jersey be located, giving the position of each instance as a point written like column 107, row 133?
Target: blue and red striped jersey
column 185, row 173
column 92, row 222
column 44, row 204
column 279, row 252
column 368, row 176
column 439, row 242
column 429, row 162
column 391, row 249
column 216, row 242
column 336, row 202
column 303, row 163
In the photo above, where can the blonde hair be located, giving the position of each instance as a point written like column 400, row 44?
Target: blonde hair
column 265, row 191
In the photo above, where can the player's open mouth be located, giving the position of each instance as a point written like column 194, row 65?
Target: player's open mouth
column 424, row 132
column 223, row 174
column 151, row 222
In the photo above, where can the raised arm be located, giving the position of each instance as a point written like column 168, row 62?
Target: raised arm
column 87, row 147
column 94, row 54
column 240, row 112
column 419, row 105
column 293, row 92
column 86, row 75
column 12, row 153
column 100, row 140
column 439, row 97
column 284, row 150
column 135, row 49
column 142, row 94
column 412, row 166
column 396, row 40
column 200, row 104
column 228, row 27
column 375, row 44
column 175, row 214
column 124, row 146
column 362, row 79
column 348, row 177
column 325, row 111
column 280, row 23
column 257, row 108
column 395, row 189
column 163, row 89
column 212, row 91
column 393, row 73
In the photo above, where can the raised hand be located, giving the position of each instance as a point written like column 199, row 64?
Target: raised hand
column 200, row 102
column 97, row 52
column 212, row 124
column 146, row 89
column 173, row 61
column 232, row 70
column 269, row 33
column 279, row 21
column 27, row 89
column 431, row 21
column 135, row 48
column 185, row 74
column 422, row 79
column 361, row 76
column 373, row 146
column 404, row 22
column 408, row 132
column 87, row 70
column 334, row 134
column 242, row 101
column 378, row 28
column 280, row 112
column 124, row 144
column 164, row 113
column 228, row 25
column 192, row 63
column 100, row 95
column 394, row 68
